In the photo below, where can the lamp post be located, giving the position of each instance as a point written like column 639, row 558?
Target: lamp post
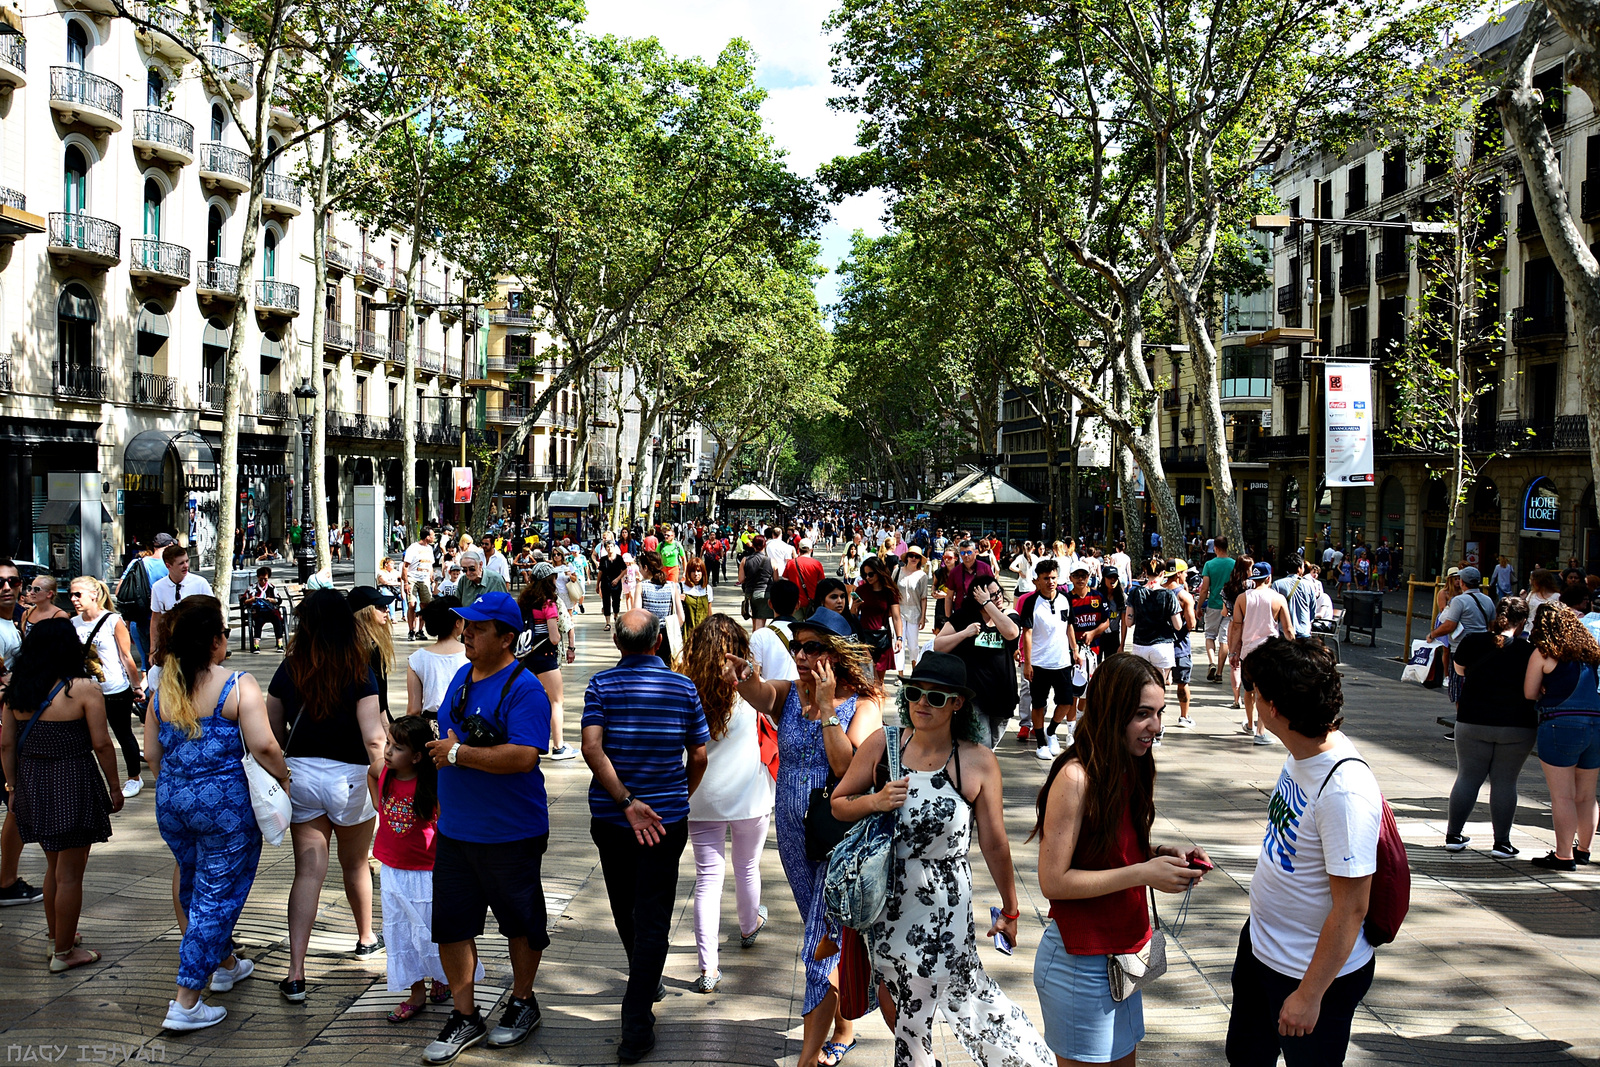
column 305, row 402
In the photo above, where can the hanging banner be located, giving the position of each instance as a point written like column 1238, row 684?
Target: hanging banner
column 461, row 484
column 1347, row 412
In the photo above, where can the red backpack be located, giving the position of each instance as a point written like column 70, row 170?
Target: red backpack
column 1390, row 896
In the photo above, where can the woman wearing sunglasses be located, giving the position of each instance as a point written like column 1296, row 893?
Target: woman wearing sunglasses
column 822, row 717
column 877, row 607
column 951, row 781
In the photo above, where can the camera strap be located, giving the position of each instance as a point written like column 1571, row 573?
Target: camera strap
column 466, row 685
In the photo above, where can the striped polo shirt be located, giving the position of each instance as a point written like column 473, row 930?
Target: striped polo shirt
column 650, row 716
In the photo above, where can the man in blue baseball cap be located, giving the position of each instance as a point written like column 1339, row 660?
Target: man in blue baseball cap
column 494, row 824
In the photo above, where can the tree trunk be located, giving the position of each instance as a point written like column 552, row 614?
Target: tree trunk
column 1076, row 422
column 1520, row 107
column 408, row 399
column 580, row 450
column 1132, row 511
column 314, row 523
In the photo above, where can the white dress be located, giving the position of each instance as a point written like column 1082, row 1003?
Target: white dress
column 913, row 594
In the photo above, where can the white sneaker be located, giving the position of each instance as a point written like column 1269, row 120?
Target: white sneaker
column 1043, row 752
column 1055, row 743
column 1184, row 722
column 225, row 978
column 1263, row 739
column 565, row 752
column 132, row 788
column 198, row 1017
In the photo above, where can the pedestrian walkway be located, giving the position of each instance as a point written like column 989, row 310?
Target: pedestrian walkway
column 1498, row 962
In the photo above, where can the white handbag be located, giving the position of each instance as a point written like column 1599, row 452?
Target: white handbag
column 1129, row 972
column 268, row 797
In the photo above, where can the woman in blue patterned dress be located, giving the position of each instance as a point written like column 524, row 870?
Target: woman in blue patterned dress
column 822, row 718
column 202, row 717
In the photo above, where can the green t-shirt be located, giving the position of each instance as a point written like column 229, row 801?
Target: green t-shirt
column 1219, row 569
column 671, row 553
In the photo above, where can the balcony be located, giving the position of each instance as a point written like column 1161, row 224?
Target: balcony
column 1290, row 370
column 5, row 374
column 1590, row 199
column 1565, row 433
column 1386, row 348
column 1530, row 325
column 85, row 239
column 234, row 68
column 158, row 261
column 452, row 366
column 502, row 365
column 165, row 18
column 1392, row 267
column 372, row 344
column 603, row 474
column 158, row 135
column 13, row 61
column 1183, row 458
column 213, row 395
column 214, row 278
column 1355, row 278
column 282, row 114
column 274, row 405
column 1283, row 446
column 277, row 298
column 339, row 255
column 222, row 167
column 78, row 96
column 1171, row 397
column 438, row 433
column 15, row 221
column 339, row 336
column 280, row 194
column 508, row 414
column 153, row 390
column 429, row 361
column 78, row 381
column 1527, row 222
column 374, row 270
column 1289, row 297
column 429, row 295
column 511, row 317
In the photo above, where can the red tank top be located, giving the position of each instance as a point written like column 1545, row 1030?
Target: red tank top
column 1115, row 923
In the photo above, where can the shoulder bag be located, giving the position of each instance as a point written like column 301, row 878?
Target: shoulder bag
column 856, row 888
column 268, row 797
column 1130, row 972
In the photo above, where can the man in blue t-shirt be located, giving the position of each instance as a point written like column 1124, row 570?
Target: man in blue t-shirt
column 494, row 824
column 639, row 720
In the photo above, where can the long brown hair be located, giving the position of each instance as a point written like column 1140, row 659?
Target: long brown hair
column 1558, row 633
column 1118, row 781
column 852, row 661
column 325, row 656
column 702, row 661
column 537, row 594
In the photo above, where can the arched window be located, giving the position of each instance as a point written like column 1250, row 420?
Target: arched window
column 269, row 255
column 152, row 209
column 74, row 181
column 155, row 89
column 76, row 316
column 77, row 45
column 219, row 122
column 214, row 233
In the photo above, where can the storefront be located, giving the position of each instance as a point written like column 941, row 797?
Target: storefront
column 1540, row 527
column 1353, row 523
column 1253, row 513
column 169, row 485
column 1483, row 527
column 1392, row 512
column 1435, row 521
column 29, row 450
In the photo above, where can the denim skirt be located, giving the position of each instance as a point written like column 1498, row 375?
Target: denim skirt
column 1081, row 1021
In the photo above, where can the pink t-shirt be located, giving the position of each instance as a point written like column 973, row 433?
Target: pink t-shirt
column 401, row 842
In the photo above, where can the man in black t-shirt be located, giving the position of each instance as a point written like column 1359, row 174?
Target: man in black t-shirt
column 609, row 568
column 1091, row 618
column 983, row 634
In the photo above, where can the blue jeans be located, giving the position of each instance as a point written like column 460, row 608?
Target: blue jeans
column 1570, row 741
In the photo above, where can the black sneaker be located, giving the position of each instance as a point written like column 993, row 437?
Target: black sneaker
column 627, row 1053
column 1504, row 850
column 521, row 1019
column 370, row 950
column 1580, row 857
column 293, row 990
column 661, row 992
column 1551, row 862
column 20, row 892
column 460, row 1033
column 1455, row 842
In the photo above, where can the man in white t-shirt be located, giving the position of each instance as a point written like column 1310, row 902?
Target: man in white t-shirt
column 1304, row 962
column 779, row 551
column 416, row 579
column 1119, row 559
column 1049, row 653
column 769, row 645
column 166, row 592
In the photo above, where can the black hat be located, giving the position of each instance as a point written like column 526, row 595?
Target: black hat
column 941, row 670
column 363, row 596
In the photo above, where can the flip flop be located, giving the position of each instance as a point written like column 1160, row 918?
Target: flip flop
column 837, row 1050
column 61, row 966
column 405, row 1011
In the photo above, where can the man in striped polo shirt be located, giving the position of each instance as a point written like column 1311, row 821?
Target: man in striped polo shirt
column 639, row 719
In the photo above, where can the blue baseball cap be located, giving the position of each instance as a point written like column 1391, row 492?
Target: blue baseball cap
column 493, row 607
column 1262, row 572
column 826, row 620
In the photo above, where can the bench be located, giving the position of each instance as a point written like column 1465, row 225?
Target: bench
column 240, row 584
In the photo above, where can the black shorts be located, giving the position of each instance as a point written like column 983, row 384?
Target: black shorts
column 1048, row 678
column 471, row 878
column 538, row 663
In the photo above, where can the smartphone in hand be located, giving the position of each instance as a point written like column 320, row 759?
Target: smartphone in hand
column 1200, row 865
column 1000, row 941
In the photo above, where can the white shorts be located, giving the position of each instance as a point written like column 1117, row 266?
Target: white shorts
column 320, row 786
column 1158, row 656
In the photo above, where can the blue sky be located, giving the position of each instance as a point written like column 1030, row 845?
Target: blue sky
column 793, row 67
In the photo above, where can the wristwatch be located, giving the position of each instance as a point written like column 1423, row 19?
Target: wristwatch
column 453, row 750
column 625, row 801
column 831, row 720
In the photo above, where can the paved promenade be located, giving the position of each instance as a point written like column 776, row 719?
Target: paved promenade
column 1498, row 962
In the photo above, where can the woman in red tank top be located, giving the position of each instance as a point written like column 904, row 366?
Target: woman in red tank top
column 1095, row 862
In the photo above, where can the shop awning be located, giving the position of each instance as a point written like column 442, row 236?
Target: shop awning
column 979, row 487
column 565, row 499
column 146, row 453
column 751, row 493
column 65, row 513
column 217, row 336
column 153, row 320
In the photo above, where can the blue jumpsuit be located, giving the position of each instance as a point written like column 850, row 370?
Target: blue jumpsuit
column 204, row 814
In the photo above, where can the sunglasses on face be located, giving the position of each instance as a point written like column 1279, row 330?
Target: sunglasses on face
column 936, row 698
column 11, row 582
column 810, row 648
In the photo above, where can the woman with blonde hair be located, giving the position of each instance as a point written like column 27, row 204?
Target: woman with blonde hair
column 735, row 795
column 1564, row 681
column 121, row 681
column 823, row 717
column 203, row 800
column 375, row 637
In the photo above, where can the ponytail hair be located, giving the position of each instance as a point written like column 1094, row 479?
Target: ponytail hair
column 1512, row 611
column 193, row 626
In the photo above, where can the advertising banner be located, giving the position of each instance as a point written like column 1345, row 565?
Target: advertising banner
column 1347, row 413
column 461, row 484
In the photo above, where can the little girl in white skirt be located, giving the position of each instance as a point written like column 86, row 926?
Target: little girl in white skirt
column 406, row 794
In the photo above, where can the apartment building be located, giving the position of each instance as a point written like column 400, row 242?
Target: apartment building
column 1371, row 284
column 122, row 193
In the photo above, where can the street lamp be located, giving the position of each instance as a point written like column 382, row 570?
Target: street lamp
column 305, row 403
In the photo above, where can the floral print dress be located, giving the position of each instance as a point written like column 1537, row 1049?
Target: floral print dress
column 925, row 946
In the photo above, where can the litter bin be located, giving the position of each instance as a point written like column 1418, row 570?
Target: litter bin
column 1363, row 614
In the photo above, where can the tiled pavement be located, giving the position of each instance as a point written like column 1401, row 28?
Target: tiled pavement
column 1495, row 965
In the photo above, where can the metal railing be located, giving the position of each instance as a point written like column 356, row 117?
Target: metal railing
column 87, row 233
column 511, row 317
column 14, row 51
column 508, row 414
column 429, row 360
column 428, row 293
column 452, row 366
column 213, row 395
column 283, row 296
column 372, row 343
column 339, row 254
column 1589, row 198
column 1392, row 266
column 220, row 159
column 604, row 473
column 217, row 276
column 283, row 190
column 73, row 85
column 274, row 405
column 81, row 381
column 5, row 373
column 234, row 66
column 166, row 17
column 153, row 390
column 1175, row 455
column 11, row 197
column 159, row 257
column 1288, row 297
column 340, row 335
column 1527, row 221
column 1537, row 324
column 373, row 268
column 1355, row 277
column 159, row 127
column 1282, row 445
column 1290, row 370
column 1386, row 347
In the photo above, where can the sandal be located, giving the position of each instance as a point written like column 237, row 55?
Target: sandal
column 440, row 994
column 50, row 952
column 58, row 965
column 405, row 1011
column 835, row 1049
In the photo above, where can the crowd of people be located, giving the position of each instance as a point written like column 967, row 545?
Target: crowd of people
column 724, row 721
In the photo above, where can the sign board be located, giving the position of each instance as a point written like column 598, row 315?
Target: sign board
column 1541, row 507
column 1252, row 486
column 1472, row 553
column 367, row 534
column 1347, row 419
column 461, row 484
